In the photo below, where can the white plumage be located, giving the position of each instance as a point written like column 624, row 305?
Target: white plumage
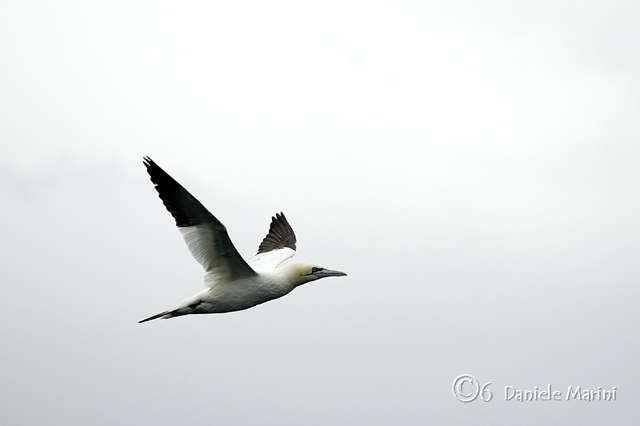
column 231, row 284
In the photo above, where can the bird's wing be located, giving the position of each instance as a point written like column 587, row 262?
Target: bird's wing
column 278, row 246
column 206, row 236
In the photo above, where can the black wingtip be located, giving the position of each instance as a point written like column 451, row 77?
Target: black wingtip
column 280, row 235
column 184, row 207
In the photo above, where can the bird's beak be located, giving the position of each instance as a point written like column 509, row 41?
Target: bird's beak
column 323, row 273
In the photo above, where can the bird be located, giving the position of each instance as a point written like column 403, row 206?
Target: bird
column 231, row 283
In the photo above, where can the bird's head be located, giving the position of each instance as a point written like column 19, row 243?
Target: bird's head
column 302, row 273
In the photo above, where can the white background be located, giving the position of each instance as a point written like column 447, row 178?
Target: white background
column 473, row 167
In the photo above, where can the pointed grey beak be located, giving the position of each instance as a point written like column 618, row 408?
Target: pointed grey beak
column 323, row 273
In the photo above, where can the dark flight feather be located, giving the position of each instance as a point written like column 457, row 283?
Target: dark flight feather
column 187, row 212
column 280, row 235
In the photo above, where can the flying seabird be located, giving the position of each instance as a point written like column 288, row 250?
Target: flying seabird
column 231, row 284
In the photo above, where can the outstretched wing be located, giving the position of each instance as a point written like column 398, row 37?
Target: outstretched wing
column 280, row 235
column 278, row 246
column 206, row 236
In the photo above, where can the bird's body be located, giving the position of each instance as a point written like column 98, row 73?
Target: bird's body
column 231, row 284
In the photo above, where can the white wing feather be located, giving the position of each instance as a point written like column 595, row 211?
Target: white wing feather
column 271, row 259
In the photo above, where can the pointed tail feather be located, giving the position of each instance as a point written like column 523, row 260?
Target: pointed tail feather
column 169, row 314
column 156, row 316
column 165, row 315
column 191, row 308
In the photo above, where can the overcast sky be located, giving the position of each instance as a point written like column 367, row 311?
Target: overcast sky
column 474, row 167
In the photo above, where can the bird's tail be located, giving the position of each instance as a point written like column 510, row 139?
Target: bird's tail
column 165, row 315
column 190, row 306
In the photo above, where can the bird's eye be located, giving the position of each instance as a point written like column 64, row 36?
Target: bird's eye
column 315, row 269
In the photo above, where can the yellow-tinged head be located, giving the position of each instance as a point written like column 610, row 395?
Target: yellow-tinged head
column 301, row 273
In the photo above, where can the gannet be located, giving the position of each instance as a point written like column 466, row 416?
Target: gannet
column 231, row 284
